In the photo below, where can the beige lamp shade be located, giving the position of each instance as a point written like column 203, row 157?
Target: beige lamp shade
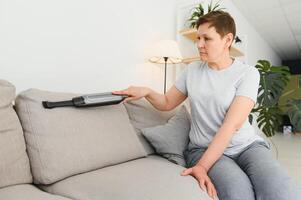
column 166, row 48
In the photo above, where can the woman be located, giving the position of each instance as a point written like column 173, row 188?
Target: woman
column 224, row 154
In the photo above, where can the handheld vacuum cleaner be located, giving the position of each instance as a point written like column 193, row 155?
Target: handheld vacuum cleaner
column 89, row 100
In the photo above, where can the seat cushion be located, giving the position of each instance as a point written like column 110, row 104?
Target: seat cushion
column 66, row 141
column 27, row 192
column 152, row 178
column 14, row 163
column 142, row 114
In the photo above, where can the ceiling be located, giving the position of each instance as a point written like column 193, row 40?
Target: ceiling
column 278, row 22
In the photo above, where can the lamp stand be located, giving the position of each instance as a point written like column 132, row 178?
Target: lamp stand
column 165, row 62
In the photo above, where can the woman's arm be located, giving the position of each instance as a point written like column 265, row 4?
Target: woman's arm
column 172, row 98
column 238, row 112
column 164, row 102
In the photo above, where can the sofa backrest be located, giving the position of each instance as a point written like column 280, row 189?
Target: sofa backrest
column 14, row 163
column 62, row 142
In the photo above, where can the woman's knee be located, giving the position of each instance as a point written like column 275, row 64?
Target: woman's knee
column 230, row 181
column 277, row 187
column 268, row 177
column 235, row 189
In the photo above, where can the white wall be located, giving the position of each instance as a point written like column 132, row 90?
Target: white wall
column 95, row 46
column 256, row 47
column 83, row 46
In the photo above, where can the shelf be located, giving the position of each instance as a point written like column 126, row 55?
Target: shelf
column 189, row 60
column 192, row 35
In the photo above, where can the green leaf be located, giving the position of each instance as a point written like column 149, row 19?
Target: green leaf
column 250, row 117
column 294, row 113
column 210, row 7
column 199, row 11
column 193, row 24
column 273, row 80
column 214, row 7
column 268, row 120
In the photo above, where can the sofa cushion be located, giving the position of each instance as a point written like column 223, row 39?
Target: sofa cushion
column 65, row 141
column 171, row 139
column 153, row 178
column 142, row 114
column 14, row 163
column 27, row 192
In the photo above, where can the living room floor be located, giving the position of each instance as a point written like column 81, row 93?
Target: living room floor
column 289, row 153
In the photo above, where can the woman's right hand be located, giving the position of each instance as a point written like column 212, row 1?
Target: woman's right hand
column 200, row 174
column 133, row 92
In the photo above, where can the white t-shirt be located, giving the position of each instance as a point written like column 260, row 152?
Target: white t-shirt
column 211, row 93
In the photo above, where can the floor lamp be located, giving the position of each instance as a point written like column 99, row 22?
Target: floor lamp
column 166, row 52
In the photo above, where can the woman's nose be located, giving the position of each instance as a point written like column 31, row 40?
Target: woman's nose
column 200, row 44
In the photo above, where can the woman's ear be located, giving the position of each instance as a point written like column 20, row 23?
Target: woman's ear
column 229, row 39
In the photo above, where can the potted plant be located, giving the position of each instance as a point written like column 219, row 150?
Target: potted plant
column 199, row 11
column 273, row 80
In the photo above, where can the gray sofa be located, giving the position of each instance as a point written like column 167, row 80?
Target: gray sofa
column 83, row 154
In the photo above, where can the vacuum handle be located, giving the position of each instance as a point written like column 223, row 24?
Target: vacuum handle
column 101, row 99
column 48, row 104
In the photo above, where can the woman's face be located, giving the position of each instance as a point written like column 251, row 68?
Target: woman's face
column 211, row 45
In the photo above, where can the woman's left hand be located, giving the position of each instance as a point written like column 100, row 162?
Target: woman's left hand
column 200, row 174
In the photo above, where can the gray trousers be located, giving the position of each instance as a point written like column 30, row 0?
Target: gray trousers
column 252, row 174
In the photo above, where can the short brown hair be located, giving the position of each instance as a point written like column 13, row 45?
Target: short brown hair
column 220, row 20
